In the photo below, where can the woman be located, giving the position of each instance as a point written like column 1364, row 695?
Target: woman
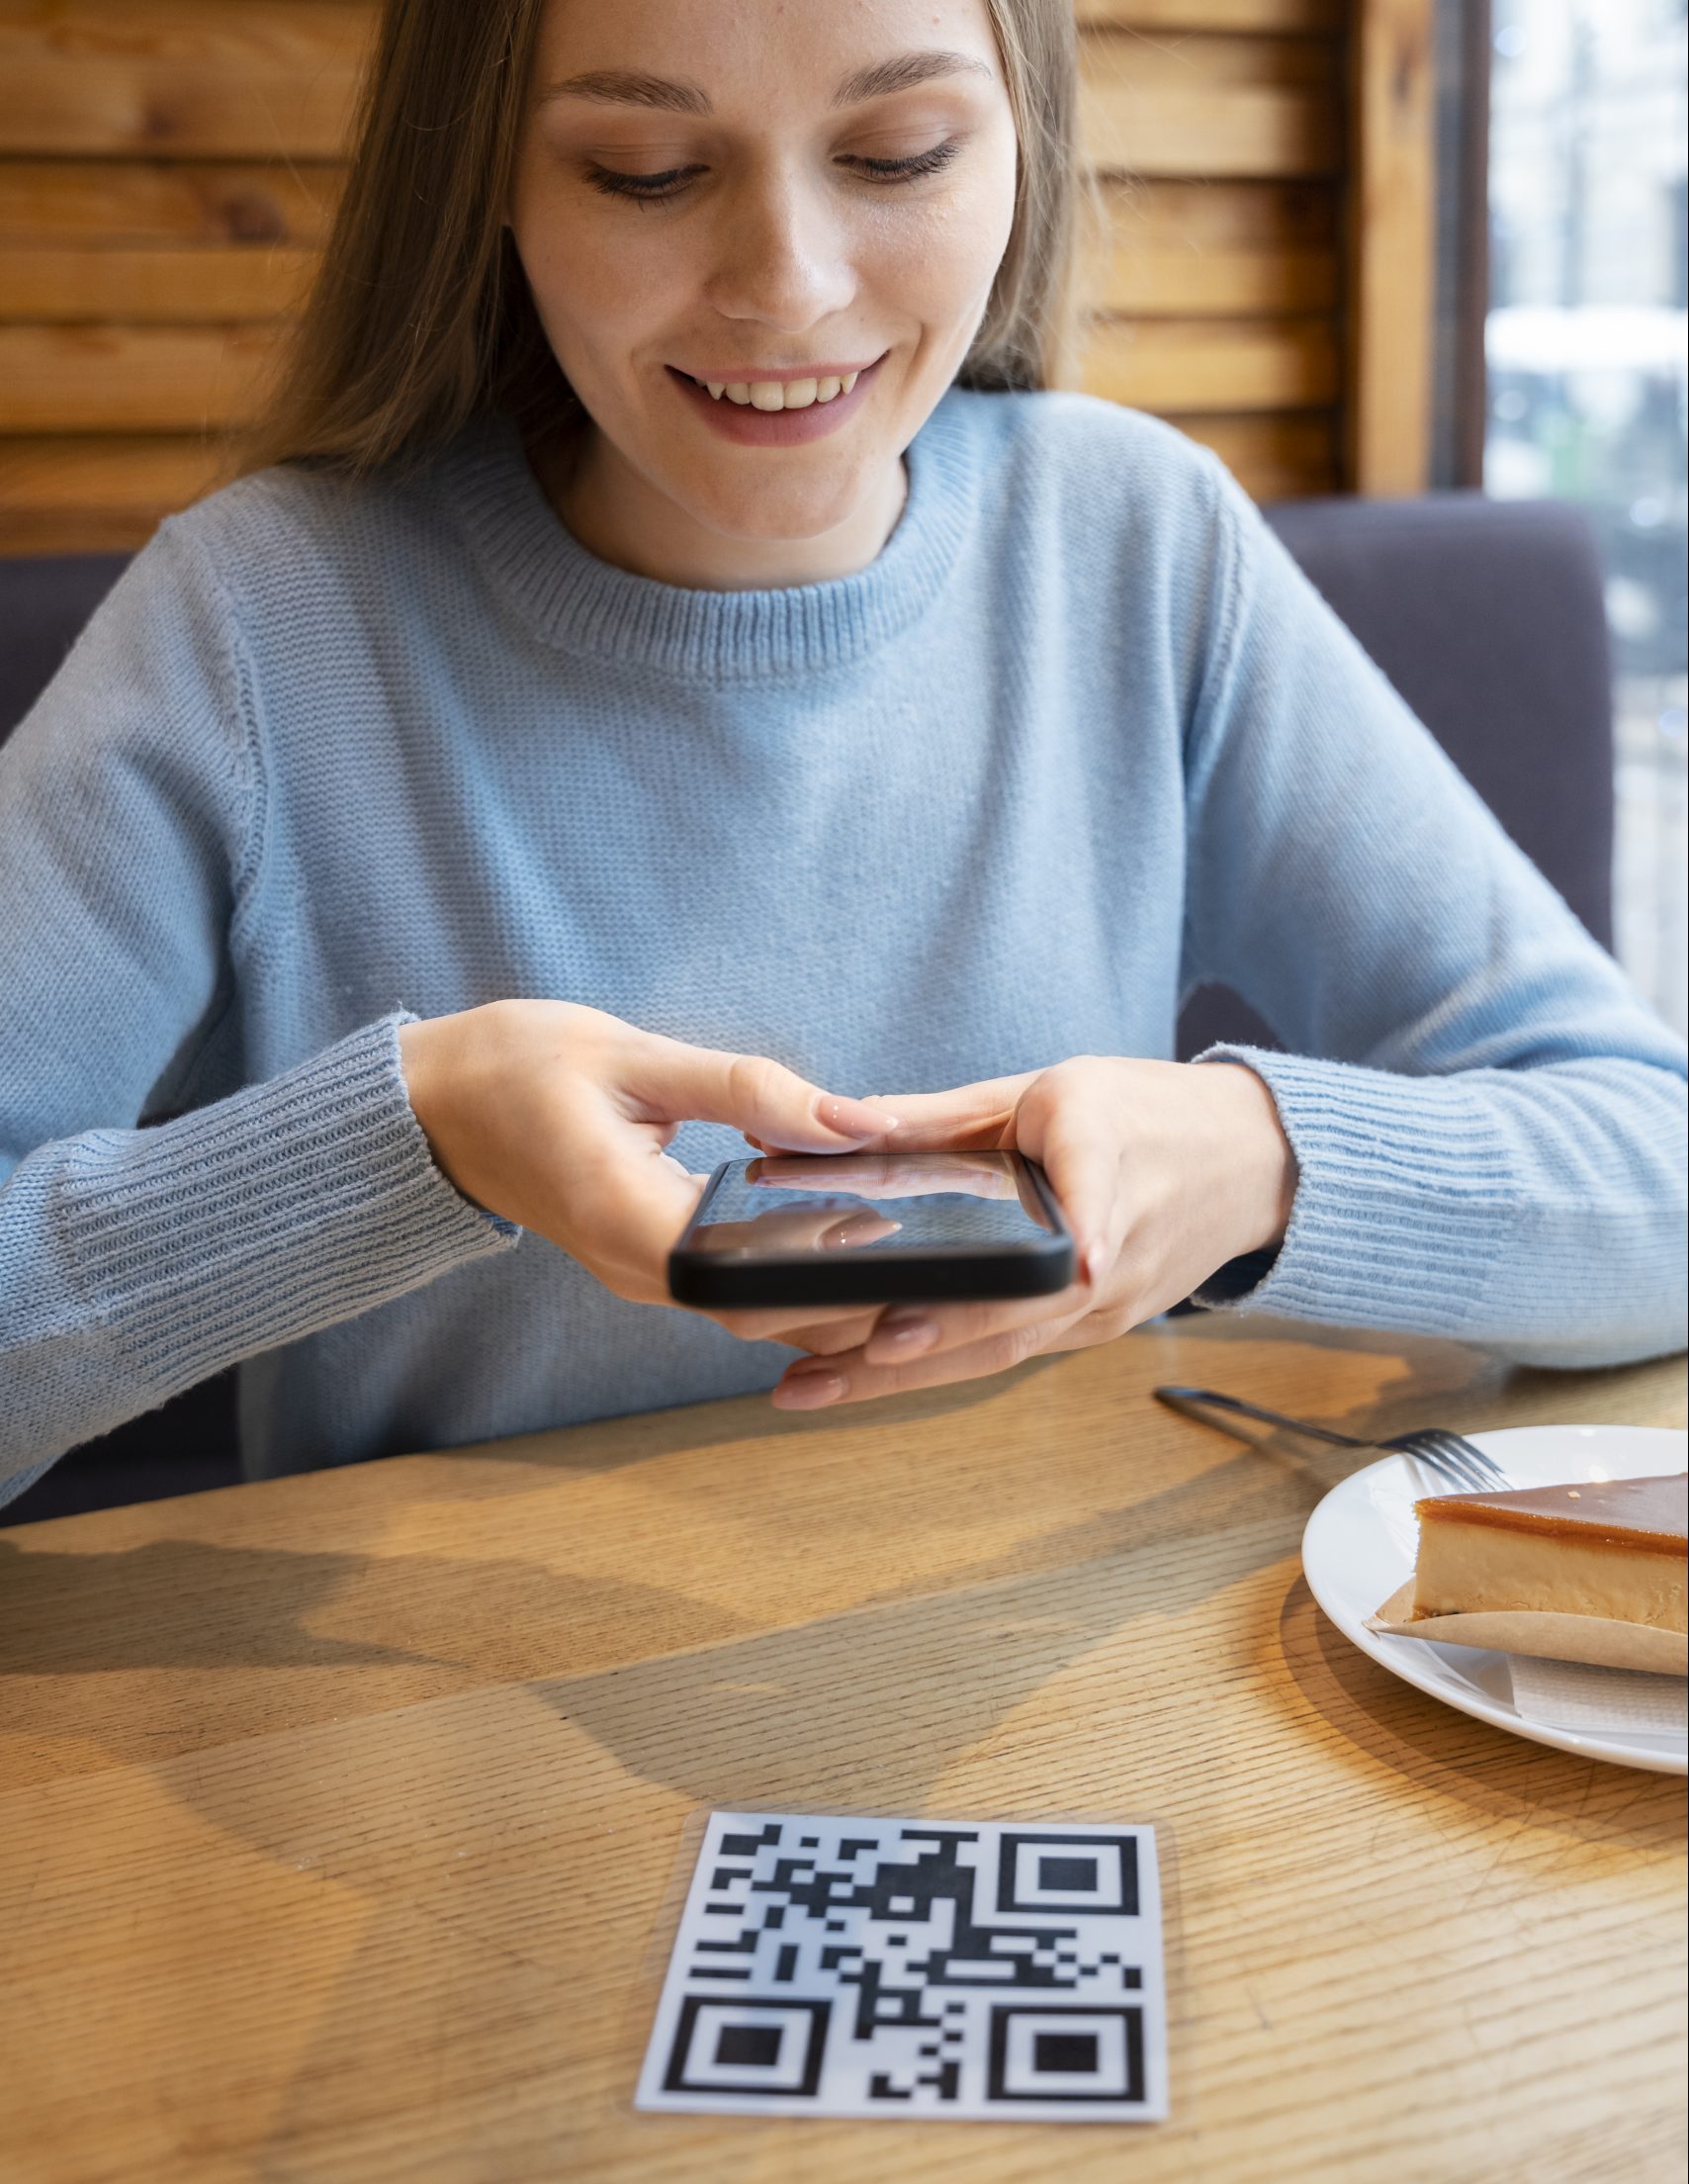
column 639, row 699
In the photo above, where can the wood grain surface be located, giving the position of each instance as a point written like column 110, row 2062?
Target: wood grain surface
column 345, row 1817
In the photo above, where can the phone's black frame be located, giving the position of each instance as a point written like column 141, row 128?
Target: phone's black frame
column 762, row 1281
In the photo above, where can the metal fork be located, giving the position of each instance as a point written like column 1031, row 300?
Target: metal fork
column 1461, row 1464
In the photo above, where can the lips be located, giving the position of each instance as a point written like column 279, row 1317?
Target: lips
column 770, row 421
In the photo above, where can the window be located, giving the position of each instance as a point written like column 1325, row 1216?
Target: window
column 1585, row 343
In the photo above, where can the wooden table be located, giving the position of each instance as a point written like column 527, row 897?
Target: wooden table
column 341, row 1818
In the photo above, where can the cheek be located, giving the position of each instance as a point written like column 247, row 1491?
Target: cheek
column 593, row 284
column 939, row 263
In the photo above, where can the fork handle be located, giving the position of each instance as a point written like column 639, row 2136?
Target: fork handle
column 1205, row 1398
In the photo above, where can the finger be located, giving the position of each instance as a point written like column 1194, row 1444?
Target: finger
column 970, row 1117
column 759, row 1098
column 814, row 1385
column 857, row 1230
column 887, row 1174
column 930, row 1330
column 793, row 1323
column 832, row 1340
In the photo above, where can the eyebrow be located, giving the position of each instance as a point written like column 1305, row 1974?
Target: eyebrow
column 629, row 87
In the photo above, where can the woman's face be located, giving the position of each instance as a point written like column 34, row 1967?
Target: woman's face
column 764, row 197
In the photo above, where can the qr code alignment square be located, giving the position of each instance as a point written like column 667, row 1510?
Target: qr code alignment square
column 837, row 1966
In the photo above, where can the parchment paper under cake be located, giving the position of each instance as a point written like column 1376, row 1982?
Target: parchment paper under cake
column 1593, row 1572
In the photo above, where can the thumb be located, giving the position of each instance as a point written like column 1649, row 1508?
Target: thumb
column 755, row 1096
column 623, row 1214
column 1081, row 1159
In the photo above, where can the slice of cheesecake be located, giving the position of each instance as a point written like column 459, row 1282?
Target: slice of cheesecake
column 1614, row 1547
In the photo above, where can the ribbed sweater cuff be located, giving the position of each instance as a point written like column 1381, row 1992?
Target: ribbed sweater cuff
column 286, row 1208
column 1403, row 1205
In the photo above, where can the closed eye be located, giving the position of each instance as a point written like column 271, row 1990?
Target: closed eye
column 639, row 186
column 909, row 170
column 656, row 188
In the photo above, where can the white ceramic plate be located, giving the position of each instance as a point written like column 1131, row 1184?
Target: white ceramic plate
column 1360, row 1545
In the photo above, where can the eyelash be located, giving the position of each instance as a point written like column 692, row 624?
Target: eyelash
column 655, row 189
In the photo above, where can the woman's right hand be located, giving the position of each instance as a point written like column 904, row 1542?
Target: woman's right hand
column 558, row 1118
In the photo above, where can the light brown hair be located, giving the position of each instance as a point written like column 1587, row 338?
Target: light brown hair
column 420, row 317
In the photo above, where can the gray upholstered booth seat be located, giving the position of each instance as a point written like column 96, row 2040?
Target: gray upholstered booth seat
column 1487, row 616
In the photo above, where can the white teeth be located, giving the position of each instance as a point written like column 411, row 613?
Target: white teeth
column 774, row 394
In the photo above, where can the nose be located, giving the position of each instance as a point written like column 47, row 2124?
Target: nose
column 782, row 255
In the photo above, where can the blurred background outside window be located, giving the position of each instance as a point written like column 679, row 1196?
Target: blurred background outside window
column 1585, row 343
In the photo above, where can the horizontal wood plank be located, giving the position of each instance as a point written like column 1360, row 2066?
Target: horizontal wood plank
column 1162, row 16
column 177, row 204
column 1172, row 214
column 1210, row 64
column 1183, row 248
column 1179, row 366
column 1201, row 283
column 136, row 472
column 1127, row 127
column 130, row 378
column 1273, row 458
column 94, row 492
column 193, row 77
column 153, row 287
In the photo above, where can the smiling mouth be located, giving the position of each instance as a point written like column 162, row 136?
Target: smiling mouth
column 773, row 394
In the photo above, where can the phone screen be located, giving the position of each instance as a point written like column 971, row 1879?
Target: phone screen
column 901, row 1201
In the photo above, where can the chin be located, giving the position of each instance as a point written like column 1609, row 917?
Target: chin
column 794, row 514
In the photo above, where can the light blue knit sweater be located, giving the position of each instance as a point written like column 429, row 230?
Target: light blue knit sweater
column 1079, row 738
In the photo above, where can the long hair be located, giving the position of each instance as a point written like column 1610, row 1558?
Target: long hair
column 420, row 316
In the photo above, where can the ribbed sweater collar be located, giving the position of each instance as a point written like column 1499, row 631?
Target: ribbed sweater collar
column 576, row 602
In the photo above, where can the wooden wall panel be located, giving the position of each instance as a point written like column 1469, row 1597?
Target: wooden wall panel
column 249, row 79
column 94, row 491
column 1230, row 250
column 105, row 205
column 130, row 378
column 1388, row 421
column 168, row 169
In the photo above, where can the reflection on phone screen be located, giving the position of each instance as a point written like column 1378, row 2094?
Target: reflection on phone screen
column 921, row 1201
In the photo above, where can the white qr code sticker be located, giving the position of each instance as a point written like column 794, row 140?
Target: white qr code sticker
column 832, row 1965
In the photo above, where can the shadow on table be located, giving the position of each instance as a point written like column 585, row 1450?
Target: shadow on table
column 1478, row 1765
column 175, row 1603
column 1429, row 1383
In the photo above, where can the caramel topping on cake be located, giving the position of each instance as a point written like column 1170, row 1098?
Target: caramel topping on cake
column 1648, row 1514
column 1611, row 1547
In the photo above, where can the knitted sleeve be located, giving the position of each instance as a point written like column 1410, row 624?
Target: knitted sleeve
column 139, row 1255
column 1489, row 1123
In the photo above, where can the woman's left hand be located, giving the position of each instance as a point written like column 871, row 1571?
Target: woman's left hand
column 1164, row 1171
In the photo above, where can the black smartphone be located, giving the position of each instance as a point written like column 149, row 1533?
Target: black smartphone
column 871, row 1229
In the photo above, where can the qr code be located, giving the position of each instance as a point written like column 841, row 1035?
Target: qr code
column 843, row 1966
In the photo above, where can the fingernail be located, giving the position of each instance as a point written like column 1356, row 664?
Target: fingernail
column 857, row 1229
column 1096, row 1265
column 809, row 1391
column 904, row 1337
column 855, row 1118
